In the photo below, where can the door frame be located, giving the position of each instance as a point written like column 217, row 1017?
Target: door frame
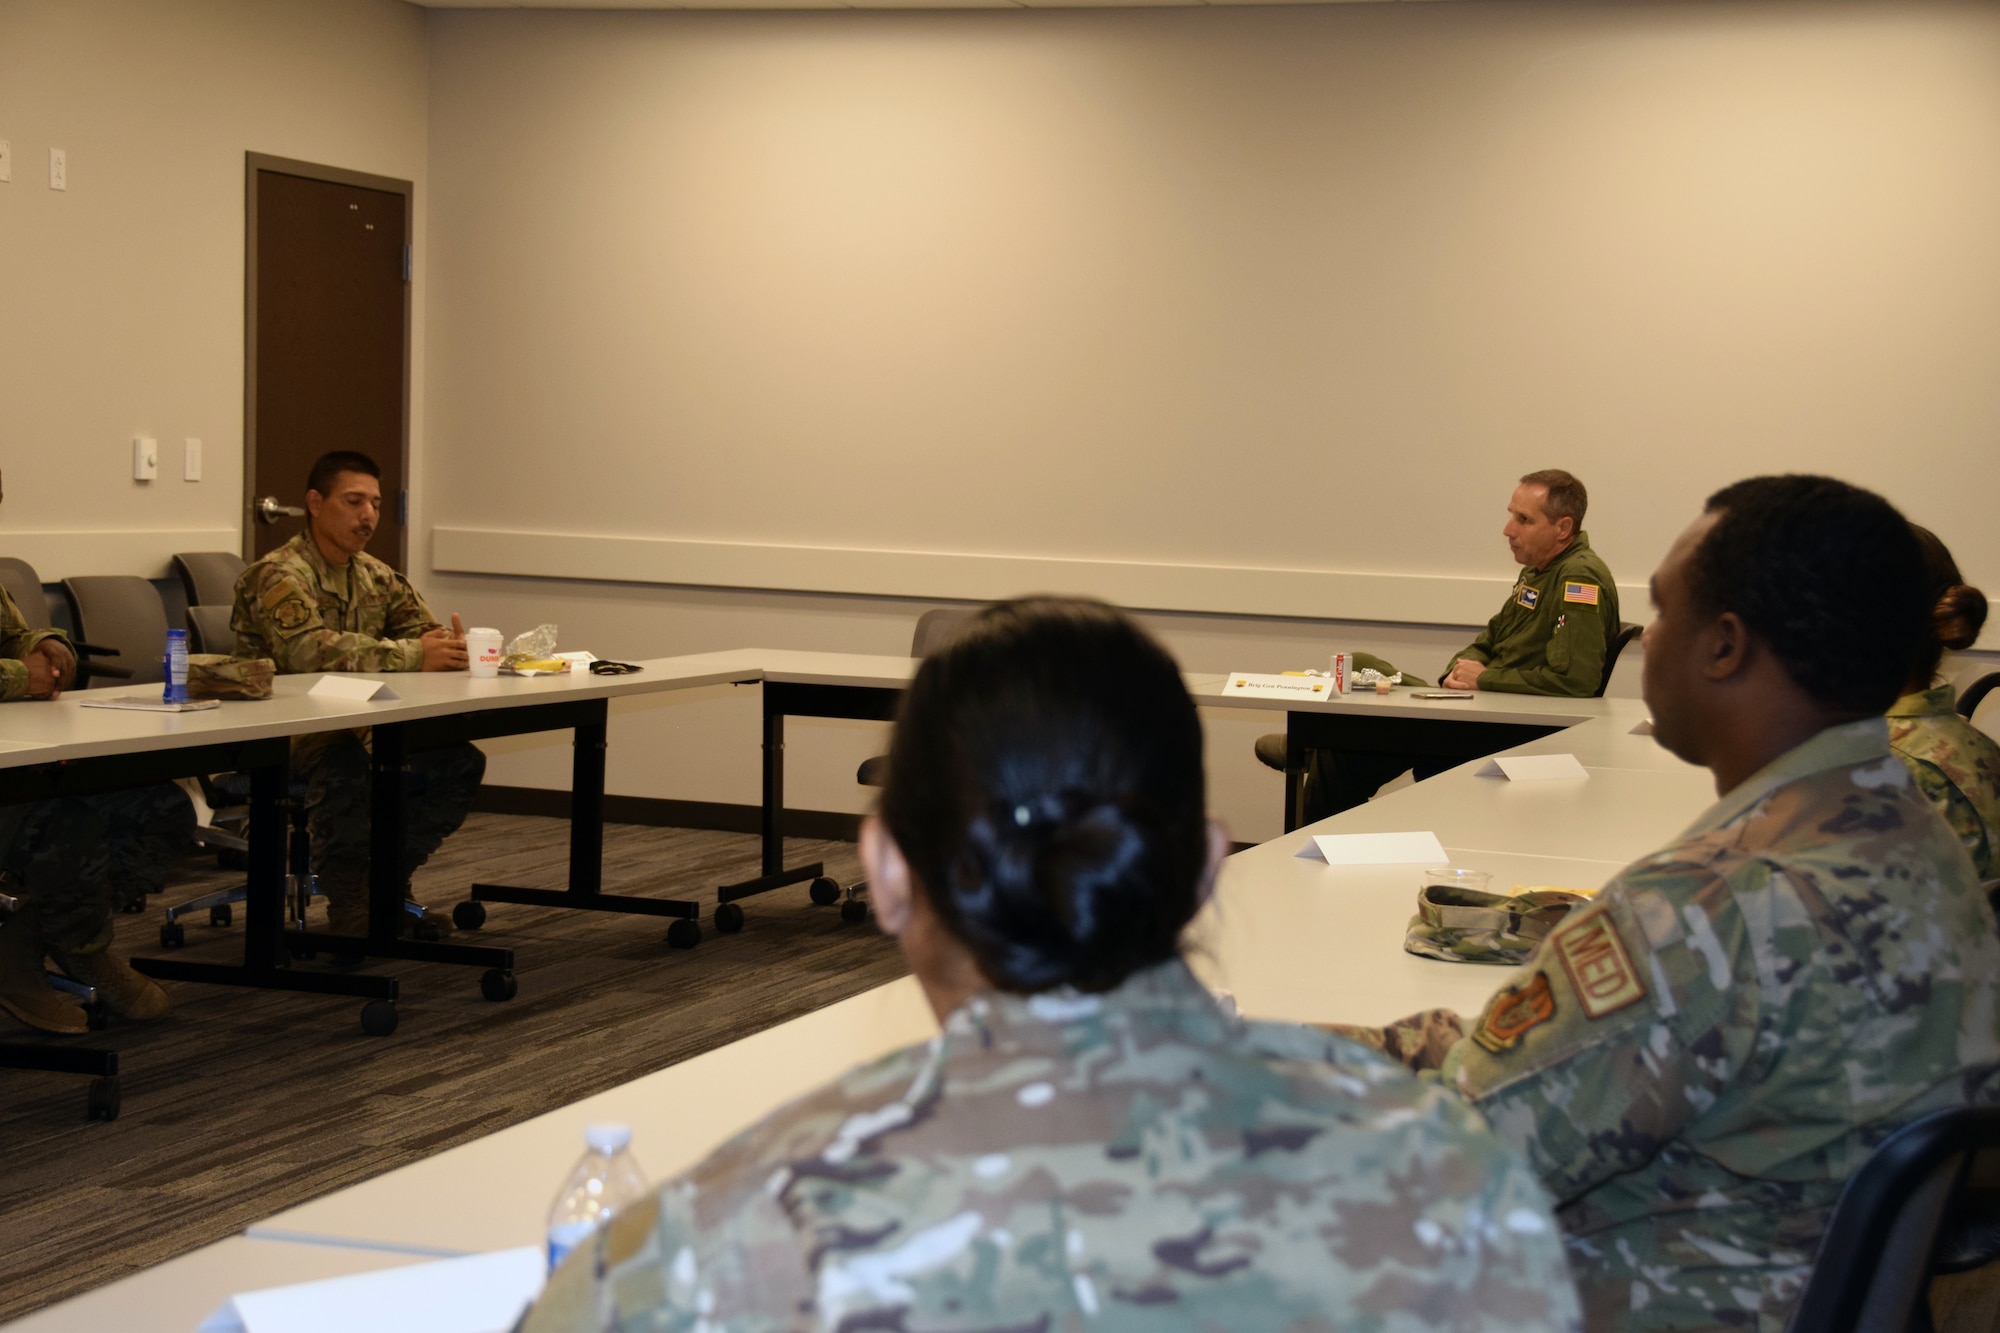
column 285, row 166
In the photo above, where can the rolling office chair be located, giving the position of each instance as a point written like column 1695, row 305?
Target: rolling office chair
column 117, row 615
column 935, row 629
column 209, row 577
column 1978, row 705
column 1272, row 749
column 1915, row 1209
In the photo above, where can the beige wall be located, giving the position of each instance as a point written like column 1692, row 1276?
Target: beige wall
column 1253, row 311
column 121, row 299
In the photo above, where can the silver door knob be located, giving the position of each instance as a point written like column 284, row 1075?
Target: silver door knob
column 270, row 511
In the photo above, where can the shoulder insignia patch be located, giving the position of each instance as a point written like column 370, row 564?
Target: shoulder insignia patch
column 1526, row 596
column 1513, row 1012
column 1599, row 968
column 290, row 613
column 1580, row 592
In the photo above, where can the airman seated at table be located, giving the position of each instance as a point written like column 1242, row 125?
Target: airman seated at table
column 1551, row 637
column 320, row 602
column 1956, row 765
column 1697, row 1061
column 69, row 860
column 1093, row 1141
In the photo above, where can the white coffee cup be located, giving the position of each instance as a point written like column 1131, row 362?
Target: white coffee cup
column 482, row 651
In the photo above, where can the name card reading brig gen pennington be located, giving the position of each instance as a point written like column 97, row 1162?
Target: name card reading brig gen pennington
column 1259, row 685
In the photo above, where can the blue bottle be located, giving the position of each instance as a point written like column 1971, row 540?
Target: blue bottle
column 176, row 663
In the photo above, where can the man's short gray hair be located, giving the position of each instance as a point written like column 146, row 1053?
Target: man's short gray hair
column 1567, row 497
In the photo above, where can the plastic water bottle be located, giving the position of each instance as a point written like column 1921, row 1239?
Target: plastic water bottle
column 605, row 1181
column 176, row 663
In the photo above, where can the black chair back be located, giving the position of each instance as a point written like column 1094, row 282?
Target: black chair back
column 209, row 631
column 18, row 577
column 209, row 577
column 121, row 612
column 1874, row 1265
column 1970, row 697
column 937, row 628
column 1627, row 631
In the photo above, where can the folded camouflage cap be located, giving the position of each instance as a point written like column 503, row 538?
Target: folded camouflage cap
column 1457, row 925
column 214, row 676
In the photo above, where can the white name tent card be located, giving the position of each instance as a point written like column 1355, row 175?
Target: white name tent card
column 1375, row 849
column 1264, row 685
column 479, row 1293
column 1534, row 767
column 359, row 689
column 1645, row 728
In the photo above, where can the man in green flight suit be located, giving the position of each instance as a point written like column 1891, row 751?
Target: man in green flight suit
column 1552, row 636
column 320, row 602
column 70, row 859
column 1697, row 1061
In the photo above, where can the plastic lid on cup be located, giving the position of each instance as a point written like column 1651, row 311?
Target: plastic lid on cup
column 608, row 1138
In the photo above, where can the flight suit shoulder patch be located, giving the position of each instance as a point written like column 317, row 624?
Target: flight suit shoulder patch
column 1599, row 966
column 1514, row 1012
column 1586, row 593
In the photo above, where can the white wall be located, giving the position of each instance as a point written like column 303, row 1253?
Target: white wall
column 1253, row 311
column 121, row 298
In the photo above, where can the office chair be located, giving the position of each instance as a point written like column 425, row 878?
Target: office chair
column 209, row 631
column 1911, row 1211
column 1973, row 701
column 18, row 577
column 117, row 615
column 209, row 577
column 935, row 629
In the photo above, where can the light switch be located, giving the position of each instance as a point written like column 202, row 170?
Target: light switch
column 6, row 161
column 191, row 460
column 145, row 458
column 58, row 169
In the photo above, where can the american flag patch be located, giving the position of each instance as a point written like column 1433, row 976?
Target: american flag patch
column 1580, row 592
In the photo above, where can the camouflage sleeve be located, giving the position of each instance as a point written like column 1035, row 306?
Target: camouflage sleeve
column 277, row 616
column 1575, row 655
column 1955, row 808
column 409, row 616
column 13, row 679
column 1625, row 1026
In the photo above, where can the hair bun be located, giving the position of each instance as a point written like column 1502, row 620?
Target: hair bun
column 1959, row 616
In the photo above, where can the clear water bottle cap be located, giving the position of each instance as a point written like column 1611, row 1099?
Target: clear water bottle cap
column 608, row 1138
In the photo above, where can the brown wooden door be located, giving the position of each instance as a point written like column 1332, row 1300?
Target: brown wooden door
column 327, row 332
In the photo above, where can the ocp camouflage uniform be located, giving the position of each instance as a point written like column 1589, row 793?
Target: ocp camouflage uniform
column 1136, row 1160
column 1551, row 637
column 73, row 859
column 307, row 615
column 1957, row 767
column 1697, row 1061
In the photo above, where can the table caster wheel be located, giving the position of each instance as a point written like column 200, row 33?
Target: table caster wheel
column 854, row 911
column 469, row 915
column 172, row 936
column 825, row 892
column 684, row 934
column 103, row 1099
column 220, row 916
column 729, row 918
column 497, row 985
column 379, row 1017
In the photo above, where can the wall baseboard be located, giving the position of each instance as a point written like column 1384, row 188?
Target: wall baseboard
column 654, row 812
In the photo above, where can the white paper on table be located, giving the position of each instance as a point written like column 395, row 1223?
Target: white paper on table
column 1533, row 767
column 1374, row 849
column 1270, row 685
column 480, row 1293
column 358, row 688
column 147, row 703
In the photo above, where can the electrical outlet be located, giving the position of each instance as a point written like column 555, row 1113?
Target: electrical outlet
column 145, row 458
column 58, row 169
column 191, row 459
column 6, row 161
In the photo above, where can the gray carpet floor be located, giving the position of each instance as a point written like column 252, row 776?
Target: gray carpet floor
column 242, row 1103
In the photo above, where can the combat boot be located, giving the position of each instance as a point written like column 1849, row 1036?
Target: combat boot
column 126, row 993
column 24, row 989
column 346, row 905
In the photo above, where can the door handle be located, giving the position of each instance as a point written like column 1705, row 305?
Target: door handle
column 270, row 511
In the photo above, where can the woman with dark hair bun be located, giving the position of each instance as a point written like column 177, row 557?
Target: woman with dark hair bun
column 1956, row 765
column 1092, row 1141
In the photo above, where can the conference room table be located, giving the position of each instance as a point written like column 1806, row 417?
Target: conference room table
column 1287, row 937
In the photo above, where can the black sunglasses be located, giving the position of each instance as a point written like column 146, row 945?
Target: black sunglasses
column 602, row 668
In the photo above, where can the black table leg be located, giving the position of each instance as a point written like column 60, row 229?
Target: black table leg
column 1451, row 740
column 770, row 815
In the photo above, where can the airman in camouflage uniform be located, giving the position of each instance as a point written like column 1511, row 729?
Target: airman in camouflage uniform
column 1126, row 1161
column 71, row 861
column 308, row 614
column 1957, row 767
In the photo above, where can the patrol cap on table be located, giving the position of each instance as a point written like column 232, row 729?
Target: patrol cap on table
column 215, row 676
column 1459, row 925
